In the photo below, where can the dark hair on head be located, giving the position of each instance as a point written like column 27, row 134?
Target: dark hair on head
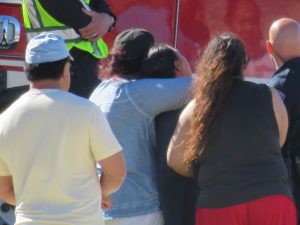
column 160, row 62
column 48, row 70
column 118, row 63
column 223, row 59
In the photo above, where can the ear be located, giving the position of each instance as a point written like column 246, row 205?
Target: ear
column 178, row 66
column 65, row 77
column 269, row 46
column 66, row 71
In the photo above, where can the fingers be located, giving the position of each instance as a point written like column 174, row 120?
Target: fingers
column 91, row 33
column 106, row 203
column 90, row 27
column 97, row 27
column 92, row 37
column 88, row 12
column 105, row 206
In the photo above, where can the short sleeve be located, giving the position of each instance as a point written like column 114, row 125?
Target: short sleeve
column 4, row 169
column 102, row 140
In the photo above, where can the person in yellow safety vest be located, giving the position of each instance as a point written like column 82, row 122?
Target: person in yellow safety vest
column 82, row 24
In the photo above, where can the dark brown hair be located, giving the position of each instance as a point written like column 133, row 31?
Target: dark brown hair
column 47, row 70
column 160, row 62
column 223, row 59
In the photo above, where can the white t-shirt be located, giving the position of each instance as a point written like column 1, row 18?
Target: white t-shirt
column 50, row 141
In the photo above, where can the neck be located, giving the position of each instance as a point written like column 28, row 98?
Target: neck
column 46, row 84
column 278, row 62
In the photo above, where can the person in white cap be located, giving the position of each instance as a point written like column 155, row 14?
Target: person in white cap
column 50, row 143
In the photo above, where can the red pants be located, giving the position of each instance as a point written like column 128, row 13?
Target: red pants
column 271, row 210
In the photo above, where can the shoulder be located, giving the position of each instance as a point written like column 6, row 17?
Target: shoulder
column 279, row 79
column 77, row 103
column 257, row 94
column 287, row 76
column 148, row 82
column 253, row 87
column 187, row 113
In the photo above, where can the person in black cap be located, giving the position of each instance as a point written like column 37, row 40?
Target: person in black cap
column 51, row 178
column 130, row 103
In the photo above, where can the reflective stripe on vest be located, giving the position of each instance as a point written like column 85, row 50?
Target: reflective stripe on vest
column 37, row 20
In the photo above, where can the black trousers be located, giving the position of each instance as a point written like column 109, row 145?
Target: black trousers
column 84, row 73
column 177, row 194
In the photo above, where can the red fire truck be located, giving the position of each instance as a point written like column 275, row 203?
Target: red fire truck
column 12, row 45
column 185, row 24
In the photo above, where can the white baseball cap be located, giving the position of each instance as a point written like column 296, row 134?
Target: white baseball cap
column 46, row 47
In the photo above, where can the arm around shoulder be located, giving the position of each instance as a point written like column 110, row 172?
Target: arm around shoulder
column 154, row 96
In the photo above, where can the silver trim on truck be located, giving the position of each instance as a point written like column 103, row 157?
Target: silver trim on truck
column 9, row 32
column 11, row 1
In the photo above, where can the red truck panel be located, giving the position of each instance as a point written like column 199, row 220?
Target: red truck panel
column 198, row 21
column 201, row 19
column 156, row 16
column 249, row 19
column 14, row 10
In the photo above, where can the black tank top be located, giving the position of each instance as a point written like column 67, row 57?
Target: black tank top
column 242, row 160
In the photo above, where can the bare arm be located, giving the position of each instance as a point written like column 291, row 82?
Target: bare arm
column 6, row 190
column 281, row 116
column 178, row 145
column 113, row 173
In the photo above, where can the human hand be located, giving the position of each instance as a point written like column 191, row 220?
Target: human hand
column 98, row 27
column 106, row 202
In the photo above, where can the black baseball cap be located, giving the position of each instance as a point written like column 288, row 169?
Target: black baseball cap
column 135, row 42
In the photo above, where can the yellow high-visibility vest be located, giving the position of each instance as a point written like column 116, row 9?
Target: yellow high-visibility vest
column 37, row 20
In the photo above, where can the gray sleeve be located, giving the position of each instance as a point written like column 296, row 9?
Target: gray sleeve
column 154, row 96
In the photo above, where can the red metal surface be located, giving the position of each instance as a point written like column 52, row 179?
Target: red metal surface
column 14, row 10
column 12, row 68
column 193, row 33
column 250, row 19
column 156, row 16
column 199, row 20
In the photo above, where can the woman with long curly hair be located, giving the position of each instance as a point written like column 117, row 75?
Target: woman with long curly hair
column 228, row 138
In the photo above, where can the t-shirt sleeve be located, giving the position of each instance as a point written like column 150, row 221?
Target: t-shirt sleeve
column 154, row 96
column 102, row 140
column 4, row 169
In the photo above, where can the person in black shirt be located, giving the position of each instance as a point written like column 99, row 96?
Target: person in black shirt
column 177, row 193
column 284, row 49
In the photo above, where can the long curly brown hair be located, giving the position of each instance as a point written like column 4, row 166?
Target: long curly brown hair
column 223, row 59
